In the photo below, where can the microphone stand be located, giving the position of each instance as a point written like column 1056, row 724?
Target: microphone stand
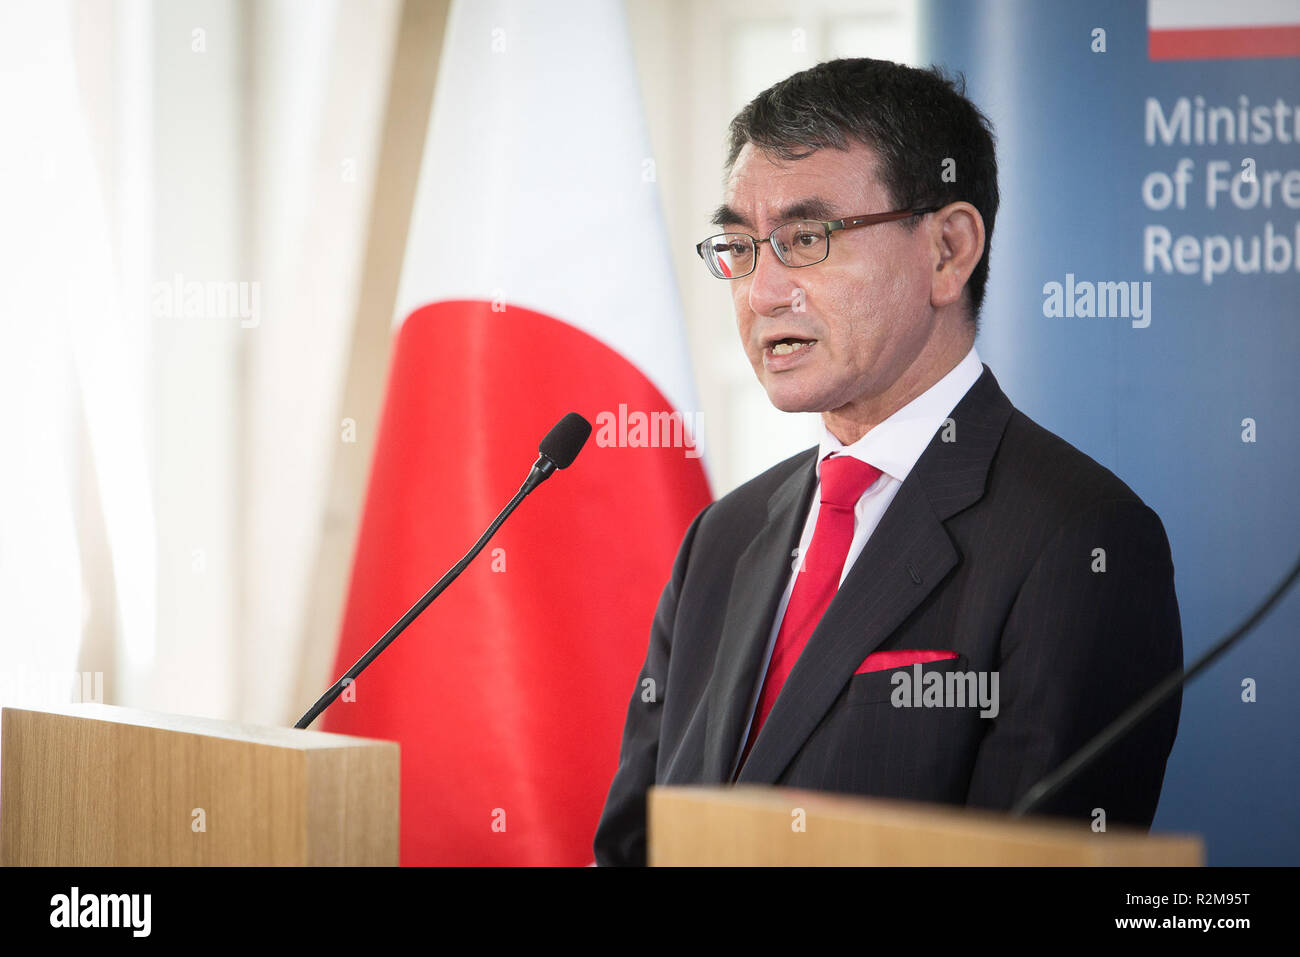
column 1049, row 786
column 541, row 470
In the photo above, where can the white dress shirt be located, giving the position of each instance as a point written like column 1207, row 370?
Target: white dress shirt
column 893, row 446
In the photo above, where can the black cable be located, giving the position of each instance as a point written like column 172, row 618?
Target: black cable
column 1086, row 755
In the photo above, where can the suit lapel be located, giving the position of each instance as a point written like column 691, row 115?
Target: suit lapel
column 761, row 576
column 879, row 593
column 906, row 558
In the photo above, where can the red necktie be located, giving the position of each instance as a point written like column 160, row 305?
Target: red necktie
column 843, row 480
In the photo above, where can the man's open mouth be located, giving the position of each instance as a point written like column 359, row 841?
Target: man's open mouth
column 785, row 347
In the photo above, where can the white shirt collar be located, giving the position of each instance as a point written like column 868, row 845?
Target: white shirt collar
column 895, row 444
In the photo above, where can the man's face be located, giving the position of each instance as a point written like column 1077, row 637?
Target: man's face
column 864, row 313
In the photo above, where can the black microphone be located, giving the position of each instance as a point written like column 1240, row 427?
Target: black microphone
column 1114, row 732
column 557, row 451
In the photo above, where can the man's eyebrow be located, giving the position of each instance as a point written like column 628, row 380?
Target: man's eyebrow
column 812, row 208
column 724, row 215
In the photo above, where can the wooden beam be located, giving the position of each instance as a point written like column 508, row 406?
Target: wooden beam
column 406, row 120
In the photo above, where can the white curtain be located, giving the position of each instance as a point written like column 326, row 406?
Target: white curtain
column 163, row 469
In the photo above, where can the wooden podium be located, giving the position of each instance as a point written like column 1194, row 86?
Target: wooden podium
column 98, row 785
column 748, row 826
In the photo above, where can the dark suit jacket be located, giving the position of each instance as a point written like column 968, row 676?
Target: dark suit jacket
column 986, row 550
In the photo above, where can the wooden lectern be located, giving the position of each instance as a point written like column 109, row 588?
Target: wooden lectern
column 747, row 826
column 98, row 785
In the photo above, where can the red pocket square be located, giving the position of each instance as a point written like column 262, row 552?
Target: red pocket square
column 889, row 660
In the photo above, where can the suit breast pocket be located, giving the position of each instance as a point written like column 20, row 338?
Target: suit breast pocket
column 878, row 686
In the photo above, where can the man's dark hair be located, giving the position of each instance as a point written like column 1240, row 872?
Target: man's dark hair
column 915, row 120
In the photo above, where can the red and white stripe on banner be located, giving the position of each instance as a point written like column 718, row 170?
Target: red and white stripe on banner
column 1222, row 30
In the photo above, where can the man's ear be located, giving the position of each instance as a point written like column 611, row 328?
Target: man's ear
column 957, row 240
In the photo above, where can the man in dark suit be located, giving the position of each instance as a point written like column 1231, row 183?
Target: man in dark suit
column 943, row 601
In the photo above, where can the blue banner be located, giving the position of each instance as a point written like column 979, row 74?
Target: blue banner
column 1142, row 303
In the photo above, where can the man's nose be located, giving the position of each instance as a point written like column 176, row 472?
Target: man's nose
column 772, row 287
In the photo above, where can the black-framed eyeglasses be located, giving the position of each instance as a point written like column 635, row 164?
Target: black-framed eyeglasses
column 803, row 243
